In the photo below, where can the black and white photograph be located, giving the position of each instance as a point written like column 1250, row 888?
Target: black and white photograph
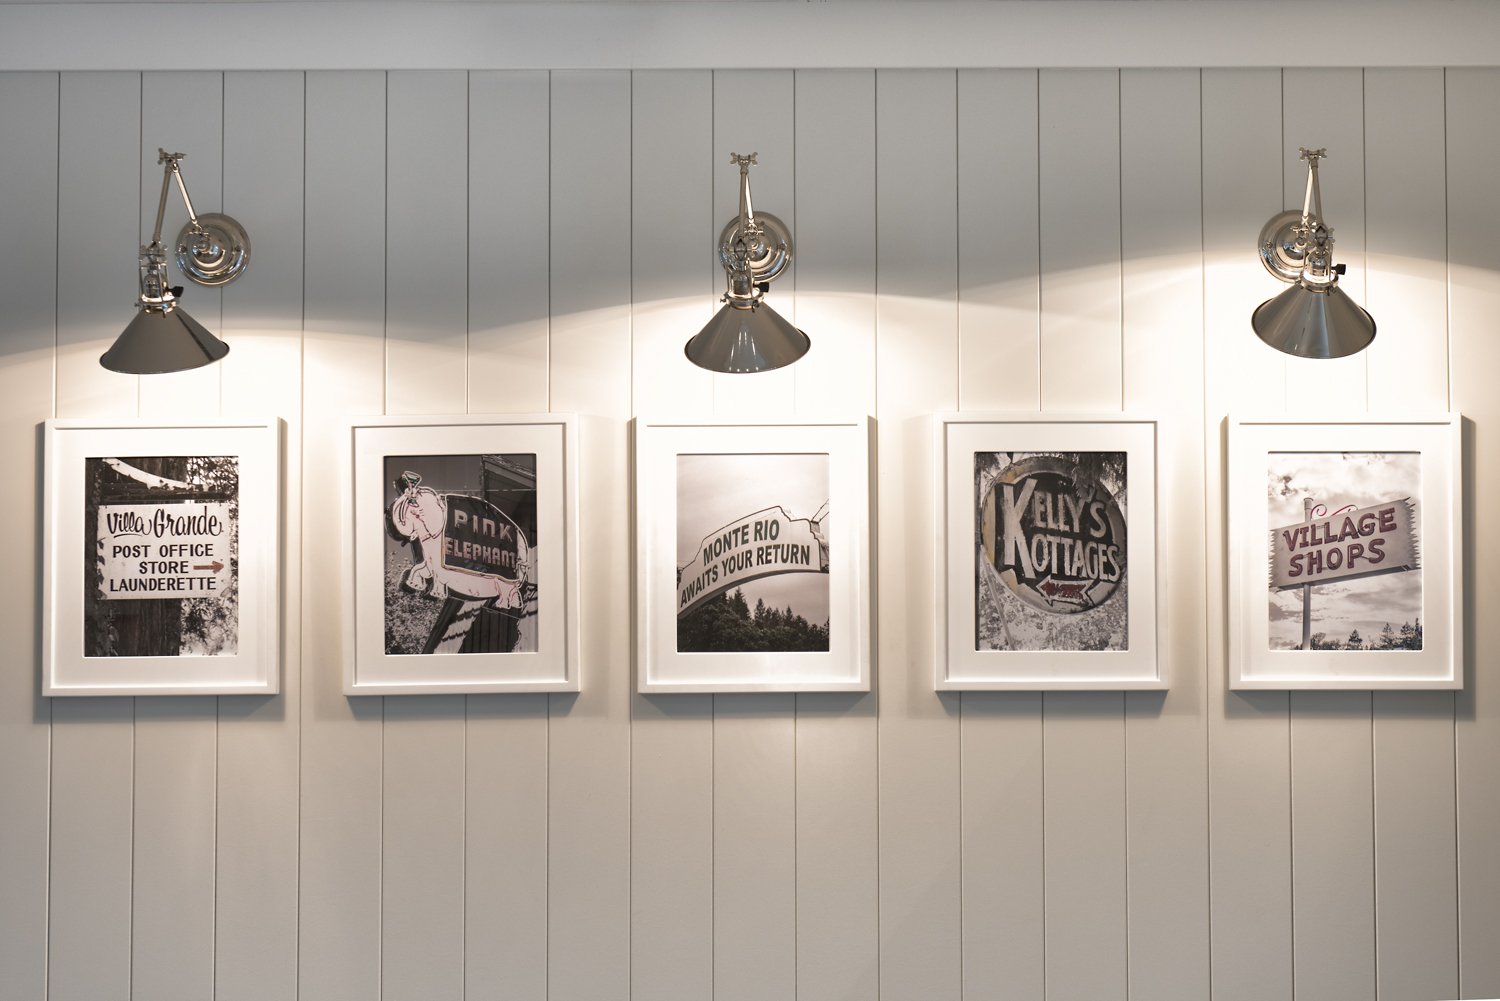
column 1050, row 555
column 752, row 553
column 1344, row 555
column 461, row 569
column 161, row 555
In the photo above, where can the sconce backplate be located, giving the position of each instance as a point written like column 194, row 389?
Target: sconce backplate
column 1278, row 245
column 769, row 257
column 216, row 256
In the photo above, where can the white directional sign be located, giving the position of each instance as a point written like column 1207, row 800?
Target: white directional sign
column 178, row 550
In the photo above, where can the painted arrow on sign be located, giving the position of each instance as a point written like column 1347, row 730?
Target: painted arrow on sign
column 215, row 566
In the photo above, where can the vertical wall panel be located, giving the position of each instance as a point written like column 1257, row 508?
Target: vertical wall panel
column 1004, row 926
column 1332, row 788
column 1473, row 124
column 507, row 243
column 837, row 853
column 675, row 275
column 89, row 916
column 1333, row 866
column 1001, row 766
column 589, row 805
column 917, row 339
column 505, row 847
column 1406, row 267
column 28, row 107
column 426, row 292
column 835, row 241
column 1166, row 747
column 1079, row 209
column 505, row 767
column 175, row 737
column 1081, row 365
column 422, row 821
column 671, row 737
column 754, row 790
column 998, row 240
column 343, row 375
column 1327, row 385
column 1249, row 767
column 1416, row 888
column 255, row 897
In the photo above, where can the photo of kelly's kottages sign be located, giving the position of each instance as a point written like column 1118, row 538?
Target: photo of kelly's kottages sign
column 460, row 566
column 163, row 556
column 1051, row 555
column 1363, row 542
column 758, row 545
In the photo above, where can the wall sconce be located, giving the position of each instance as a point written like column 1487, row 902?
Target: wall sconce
column 1313, row 318
column 746, row 335
column 212, row 249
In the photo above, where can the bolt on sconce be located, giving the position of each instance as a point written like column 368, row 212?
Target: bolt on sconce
column 212, row 249
column 746, row 335
column 1313, row 318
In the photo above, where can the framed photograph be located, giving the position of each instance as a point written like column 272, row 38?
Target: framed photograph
column 161, row 558
column 753, row 556
column 1048, row 553
column 1345, row 566
column 462, row 555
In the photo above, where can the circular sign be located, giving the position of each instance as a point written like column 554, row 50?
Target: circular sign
column 1054, row 533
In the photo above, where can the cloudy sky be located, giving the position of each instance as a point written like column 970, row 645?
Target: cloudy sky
column 718, row 490
column 1337, row 480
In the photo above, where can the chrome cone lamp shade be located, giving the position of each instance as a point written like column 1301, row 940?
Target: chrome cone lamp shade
column 746, row 335
column 1313, row 318
column 212, row 249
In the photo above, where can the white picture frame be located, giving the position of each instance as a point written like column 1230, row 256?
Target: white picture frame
column 497, row 628
column 161, row 557
column 1398, row 481
column 690, row 473
column 1034, row 601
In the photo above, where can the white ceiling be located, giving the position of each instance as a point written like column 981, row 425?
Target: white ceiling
column 497, row 34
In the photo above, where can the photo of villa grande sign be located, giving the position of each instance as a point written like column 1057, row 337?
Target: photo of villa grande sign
column 1344, row 554
column 161, row 575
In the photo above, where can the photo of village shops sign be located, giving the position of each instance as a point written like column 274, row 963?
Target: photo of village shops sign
column 1349, row 545
column 758, row 545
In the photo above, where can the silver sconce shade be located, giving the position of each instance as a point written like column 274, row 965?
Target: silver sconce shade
column 753, row 338
column 1313, row 318
column 156, row 342
column 1313, row 323
column 212, row 249
column 746, row 335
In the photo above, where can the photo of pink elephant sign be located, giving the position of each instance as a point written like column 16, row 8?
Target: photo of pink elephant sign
column 463, row 555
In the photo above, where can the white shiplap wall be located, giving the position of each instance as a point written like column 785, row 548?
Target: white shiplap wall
column 512, row 241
